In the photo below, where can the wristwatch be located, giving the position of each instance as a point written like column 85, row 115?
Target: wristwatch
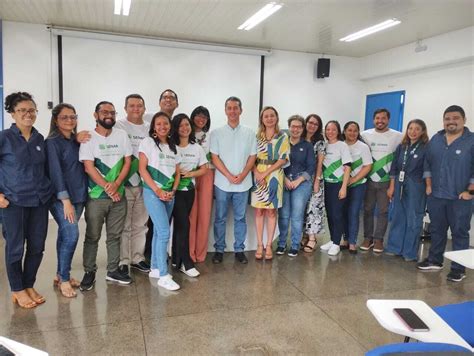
column 471, row 192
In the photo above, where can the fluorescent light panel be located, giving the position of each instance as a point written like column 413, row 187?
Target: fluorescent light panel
column 259, row 16
column 122, row 7
column 370, row 30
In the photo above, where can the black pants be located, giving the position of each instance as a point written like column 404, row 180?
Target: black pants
column 149, row 238
column 20, row 225
column 183, row 202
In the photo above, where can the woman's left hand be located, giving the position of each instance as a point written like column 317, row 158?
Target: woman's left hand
column 83, row 136
column 69, row 213
column 342, row 193
column 259, row 176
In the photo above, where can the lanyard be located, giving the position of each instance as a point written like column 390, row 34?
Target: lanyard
column 405, row 155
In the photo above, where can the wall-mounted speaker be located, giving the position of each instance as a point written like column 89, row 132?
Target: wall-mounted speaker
column 322, row 67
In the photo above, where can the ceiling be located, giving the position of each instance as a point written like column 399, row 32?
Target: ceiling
column 301, row 25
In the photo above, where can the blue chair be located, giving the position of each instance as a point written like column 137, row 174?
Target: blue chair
column 460, row 317
column 418, row 347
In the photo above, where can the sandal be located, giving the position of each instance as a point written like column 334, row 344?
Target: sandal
column 259, row 252
column 37, row 298
column 310, row 245
column 343, row 245
column 268, row 253
column 26, row 303
column 304, row 241
column 67, row 290
column 74, row 282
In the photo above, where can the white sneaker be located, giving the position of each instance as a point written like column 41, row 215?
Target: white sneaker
column 154, row 273
column 168, row 283
column 334, row 250
column 326, row 246
column 192, row 272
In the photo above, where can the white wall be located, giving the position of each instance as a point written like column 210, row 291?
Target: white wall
column 291, row 87
column 433, row 79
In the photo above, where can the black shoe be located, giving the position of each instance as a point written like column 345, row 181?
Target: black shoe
column 123, row 269
column 293, row 253
column 141, row 266
column 117, row 276
column 455, row 276
column 240, row 256
column 353, row 252
column 429, row 266
column 280, row 251
column 87, row 282
column 218, row 257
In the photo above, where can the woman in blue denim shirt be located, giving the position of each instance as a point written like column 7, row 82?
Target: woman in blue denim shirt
column 298, row 187
column 70, row 188
column 25, row 195
column 407, row 191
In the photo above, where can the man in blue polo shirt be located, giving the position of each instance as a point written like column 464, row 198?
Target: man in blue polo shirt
column 449, row 174
column 234, row 150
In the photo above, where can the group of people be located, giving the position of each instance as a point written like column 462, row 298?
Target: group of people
column 140, row 173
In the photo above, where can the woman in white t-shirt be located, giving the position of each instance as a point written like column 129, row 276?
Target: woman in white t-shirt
column 336, row 173
column 193, row 164
column 159, row 169
column 200, row 217
column 361, row 166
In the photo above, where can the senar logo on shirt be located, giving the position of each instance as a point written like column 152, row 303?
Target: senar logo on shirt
column 104, row 147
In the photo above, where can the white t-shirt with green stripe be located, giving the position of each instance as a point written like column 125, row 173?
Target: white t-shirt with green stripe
column 337, row 155
column 204, row 140
column 161, row 163
column 108, row 154
column 361, row 157
column 192, row 157
column 136, row 134
column 382, row 145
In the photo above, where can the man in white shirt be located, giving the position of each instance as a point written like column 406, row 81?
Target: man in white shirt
column 382, row 142
column 132, row 246
column 233, row 150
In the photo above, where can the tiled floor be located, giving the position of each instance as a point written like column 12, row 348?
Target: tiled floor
column 311, row 304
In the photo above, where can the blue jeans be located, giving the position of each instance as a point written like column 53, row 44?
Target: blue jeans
column 160, row 213
column 239, row 205
column 68, row 235
column 292, row 211
column 407, row 219
column 334, row 208
column 455, row 214
column 352, row 206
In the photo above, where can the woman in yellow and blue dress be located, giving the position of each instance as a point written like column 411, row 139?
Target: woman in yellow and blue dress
column 273, row 150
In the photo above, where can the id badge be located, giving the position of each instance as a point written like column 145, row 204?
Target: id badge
column 401, row 176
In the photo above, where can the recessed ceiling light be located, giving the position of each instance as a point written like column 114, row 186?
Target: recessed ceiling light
column 370, row 30
column 260, row 15
column 122, row 7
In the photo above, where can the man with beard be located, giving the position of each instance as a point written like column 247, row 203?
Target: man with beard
column 106, row 157
column 382, row 142
column 449, row 173
column 168, row 104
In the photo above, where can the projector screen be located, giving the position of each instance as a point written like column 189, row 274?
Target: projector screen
column 96, row 70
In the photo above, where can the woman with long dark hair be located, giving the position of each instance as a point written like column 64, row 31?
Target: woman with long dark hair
column 315, row 210
column 360, row 167
column 407, row 191
column 336, row 172
column 200, row 216
column 69, row 182
column 159, row 168
column 25, row 195
column 193, row 164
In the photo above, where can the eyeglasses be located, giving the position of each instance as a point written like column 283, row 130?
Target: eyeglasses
column 107, row 113
column 68, row 117
column 168, row 97
column 24, row 111
column 312, row 123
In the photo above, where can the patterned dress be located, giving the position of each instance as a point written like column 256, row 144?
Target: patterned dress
column 315, row 210
column 269, row 194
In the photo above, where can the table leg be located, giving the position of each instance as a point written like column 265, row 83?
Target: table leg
column 407, row 339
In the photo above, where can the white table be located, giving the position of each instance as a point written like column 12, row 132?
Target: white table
column 440, row 331
column 21, row 349
column 463, row 257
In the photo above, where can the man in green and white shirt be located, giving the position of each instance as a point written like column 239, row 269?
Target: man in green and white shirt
column 106, row 157
column 382, row 142
column 132, row 246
